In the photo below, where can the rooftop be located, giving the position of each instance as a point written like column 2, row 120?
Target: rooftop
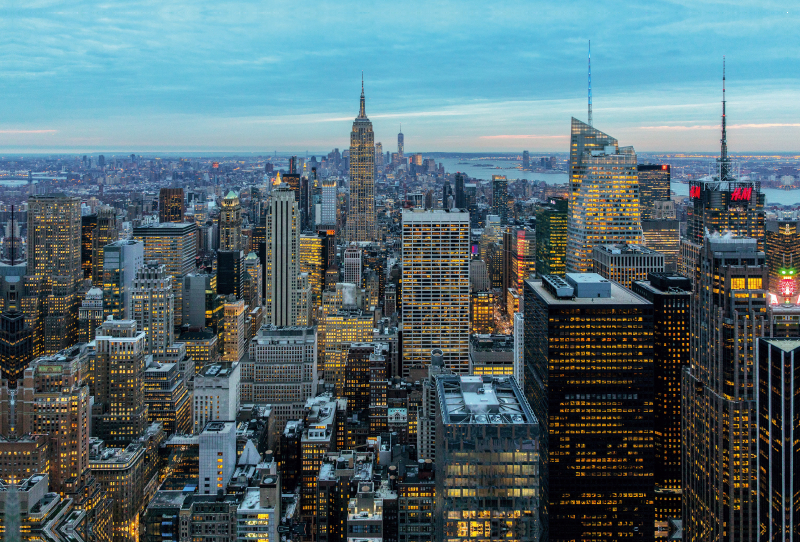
column 625, row 249
column 483, row 400
column 617, row 294
column 787, row 344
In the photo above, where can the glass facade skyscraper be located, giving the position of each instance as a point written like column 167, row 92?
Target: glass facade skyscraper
column 603, row 195
column 551, row 238
column 654, row 185
column 589, row 380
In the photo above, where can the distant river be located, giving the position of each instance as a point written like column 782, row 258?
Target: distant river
column 508, row 168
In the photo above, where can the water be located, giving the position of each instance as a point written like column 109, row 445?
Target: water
column 774, row 196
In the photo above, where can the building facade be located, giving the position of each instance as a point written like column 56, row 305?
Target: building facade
column 361, row 215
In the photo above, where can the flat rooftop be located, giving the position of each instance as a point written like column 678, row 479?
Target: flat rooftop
column 619, row 296
column 483, row 400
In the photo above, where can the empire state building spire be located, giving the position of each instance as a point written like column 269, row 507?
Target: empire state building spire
column 362, row 113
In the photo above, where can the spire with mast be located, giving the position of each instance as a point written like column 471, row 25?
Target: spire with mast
column 724, row 161
column 362, row 113
column 590, row 83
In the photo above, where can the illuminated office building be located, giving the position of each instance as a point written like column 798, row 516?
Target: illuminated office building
column 491, row 355
column 283, row 265
column 167, row 398
column 153, row 307
column 487, row 461
column 90, row 315
column 313, row 249
column 663, row 236
column 654, row 186
column 481, row 308
column 170, row 205
column 118, row 391
column 361, row 214
column 435, row 294
column 88, row 230
column 604, row 195
column 329, row 193
column 589, row 380
column 777, row 392
column 121, row 260
column 521, row 257
column 252, row 281
column 719, row 390
column 53, row 398
column 500, row 198
column 670, row 295
column 16, row 335
column 281, row 371
column 551, row 238
column 230, row 223
column 783, row 257
column 341, row 328
column 105, row 233
column 235, row 345
column 318, row 438
column 626, row 263
column 175, row 246
column 54, row 254
column 217, row 393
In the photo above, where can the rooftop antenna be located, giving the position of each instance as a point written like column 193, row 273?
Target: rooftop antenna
column 724, row 161
column 590, row 82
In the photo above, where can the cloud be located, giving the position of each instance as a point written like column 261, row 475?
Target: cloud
column 524, row 136
column 719, row 126
column 28, row 131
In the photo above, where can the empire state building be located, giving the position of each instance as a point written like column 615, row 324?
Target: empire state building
column 361, row 216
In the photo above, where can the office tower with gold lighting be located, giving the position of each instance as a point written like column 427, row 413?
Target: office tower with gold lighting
column 341, row 328
column 718, row 403
column 105, row 232
column 521, row 256
column 230, row 223
column 551, row 238
column 281, row 371
column 53, row 398
column 486, row 461
column 88, row 230
column 167, row 398
column 235, row 330
column 604, row 195
column 481, row 308
column 777, row 391
column 54, row 253
column 670, row 295
column 153, row 307
column 312, row 261
column 283, row 265
column 589, row 380
column 783, row 257
column 121, row 260
column 654, row 186
column 435, row 295
column 626, row 263
column 170, row 205
column 361, row 216
column 664, row 236
column 118, row 391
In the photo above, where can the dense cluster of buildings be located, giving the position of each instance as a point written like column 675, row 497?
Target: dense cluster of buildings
column 366, row 348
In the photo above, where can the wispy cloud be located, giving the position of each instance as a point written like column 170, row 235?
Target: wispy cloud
column 524, row 136
column 719, row 126
column 28, row 131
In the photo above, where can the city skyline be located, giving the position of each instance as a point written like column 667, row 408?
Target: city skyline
column 504, row 81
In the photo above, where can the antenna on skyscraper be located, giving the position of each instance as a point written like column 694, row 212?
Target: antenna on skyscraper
column 590, row 82
column 724, row 162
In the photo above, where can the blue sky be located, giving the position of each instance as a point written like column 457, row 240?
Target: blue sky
column 459, row 75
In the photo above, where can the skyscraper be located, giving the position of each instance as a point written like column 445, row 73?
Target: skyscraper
column 461, row 199
column 118, row 388
column 654, row 185
column 121, row 260
column 500, row 198
column 589, row 380
column 88, row 230
column 378, row 159
column 361, row 215
column 352, row 265
column 604, row 195
column 400, row 144
column 283, row 265
column 718, row 403
column 783, row 256
column 526, row 160
column 16, row 336
column 54, row 253
column 230, row 223
column 551, row 238
column 153, row 307
column 670, row 295
column 435, row 296
column 329, row 192
column 170, row 205
column 104, row 233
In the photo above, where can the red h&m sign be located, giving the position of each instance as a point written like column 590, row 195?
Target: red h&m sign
column 694, row 192
column 741, row 194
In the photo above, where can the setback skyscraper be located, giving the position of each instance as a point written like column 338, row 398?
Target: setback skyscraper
column 283, row 261
column 361, row 215
column 604, row 195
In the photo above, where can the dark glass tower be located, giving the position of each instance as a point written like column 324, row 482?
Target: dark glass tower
column 670, row 295
column 88, row 231
column 589, row 379
column 500, row 198
column 654, row 182
column 551, row 238
column 461, row 200
column 229, row 272
column 170, row 205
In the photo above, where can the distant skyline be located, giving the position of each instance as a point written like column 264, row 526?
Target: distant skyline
column 84, row 76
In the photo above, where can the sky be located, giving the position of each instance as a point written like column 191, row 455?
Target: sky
column 226, row 76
